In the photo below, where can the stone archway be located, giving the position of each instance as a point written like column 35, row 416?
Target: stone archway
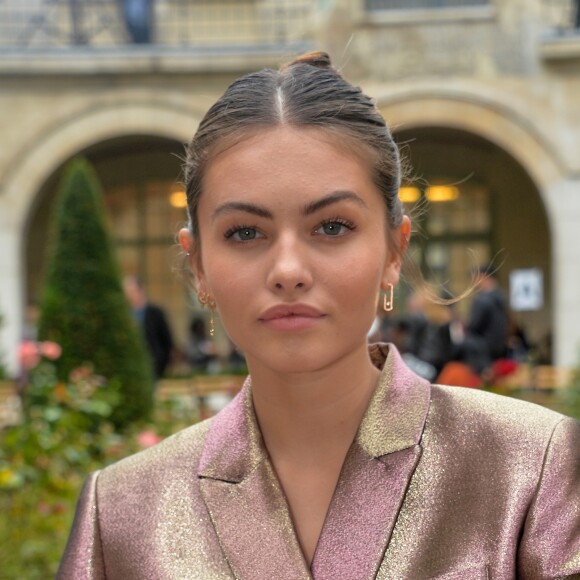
column 28, row 174
column 493, row 120
column 514, row 128
column 143, row 198
column 484, row 222
column 81, row 132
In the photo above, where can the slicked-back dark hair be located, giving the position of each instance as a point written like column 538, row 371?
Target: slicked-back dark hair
column 307, row 92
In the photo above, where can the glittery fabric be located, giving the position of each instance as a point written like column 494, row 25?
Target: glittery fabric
column 440, row 483
column 497, row 492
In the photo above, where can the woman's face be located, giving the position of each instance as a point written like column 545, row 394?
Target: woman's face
column 293, row 248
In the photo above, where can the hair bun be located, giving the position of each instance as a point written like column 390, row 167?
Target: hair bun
column 315, row 58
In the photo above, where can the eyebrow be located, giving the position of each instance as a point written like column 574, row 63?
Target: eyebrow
column 312, row 207
column 232, row 206
column 332, row 198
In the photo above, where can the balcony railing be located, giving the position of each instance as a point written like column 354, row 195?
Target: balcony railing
column 562, row 17
column 421, row 4
column 199, row 24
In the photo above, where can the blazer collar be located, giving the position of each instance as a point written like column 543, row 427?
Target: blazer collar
column 244, row 498
column 393, row 421
column 395, row 417
column 248, row 507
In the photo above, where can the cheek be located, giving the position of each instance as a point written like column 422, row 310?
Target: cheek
column 359, row 281
column 231, row 284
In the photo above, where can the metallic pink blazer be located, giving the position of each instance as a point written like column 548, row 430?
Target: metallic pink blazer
column 440, row 482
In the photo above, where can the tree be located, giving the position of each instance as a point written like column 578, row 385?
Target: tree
column 83, row 306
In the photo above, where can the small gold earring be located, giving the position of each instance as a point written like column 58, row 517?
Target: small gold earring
column 388, row 298
column 206, row 300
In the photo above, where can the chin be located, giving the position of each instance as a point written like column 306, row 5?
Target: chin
column 302, row 356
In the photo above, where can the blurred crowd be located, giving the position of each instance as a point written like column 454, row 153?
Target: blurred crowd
column 482, row 348
column 437, row 344
column 199, row 354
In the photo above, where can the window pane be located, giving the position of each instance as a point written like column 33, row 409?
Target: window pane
column 121, row 205
column 163, row 218
column 452, row 264
column 418, row 4
column 128, row 256
column 468, row 214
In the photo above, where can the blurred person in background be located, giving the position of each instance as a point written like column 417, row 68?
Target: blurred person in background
column 139, row 20
column 153, row 324
column 199, row 349
column 417, row 322
column 488, row 317
column 518, row 345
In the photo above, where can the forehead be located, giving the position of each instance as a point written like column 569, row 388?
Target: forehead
column 290, row 160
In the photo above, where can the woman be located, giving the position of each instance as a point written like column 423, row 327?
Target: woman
column 335, row 461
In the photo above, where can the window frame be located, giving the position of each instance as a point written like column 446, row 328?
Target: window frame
column 426, row 15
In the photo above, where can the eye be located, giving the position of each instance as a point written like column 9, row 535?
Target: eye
column 334, row 227
column 243, row 234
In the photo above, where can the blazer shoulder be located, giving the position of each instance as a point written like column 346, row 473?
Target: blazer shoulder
column 490, row 413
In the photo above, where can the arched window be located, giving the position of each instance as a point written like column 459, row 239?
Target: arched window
column 145, row 206
column 471, row 203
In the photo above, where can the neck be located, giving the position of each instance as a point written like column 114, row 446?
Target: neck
column 309, row 416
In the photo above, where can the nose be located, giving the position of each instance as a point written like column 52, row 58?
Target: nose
column 290, row 271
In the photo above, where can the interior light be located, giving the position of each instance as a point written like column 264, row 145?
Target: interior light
column 409, row 194
column 178, row 199
column 436, row 193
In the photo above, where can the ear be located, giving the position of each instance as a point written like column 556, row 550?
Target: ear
column 401, row 237
column 191, row 250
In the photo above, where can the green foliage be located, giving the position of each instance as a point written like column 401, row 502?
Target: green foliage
column 66, row 434
column 564, row 400
column 83, row 307
column 3, row 372
column 571, row 396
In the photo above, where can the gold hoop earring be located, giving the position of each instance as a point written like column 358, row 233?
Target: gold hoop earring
column 206, row 300
column 388, row 301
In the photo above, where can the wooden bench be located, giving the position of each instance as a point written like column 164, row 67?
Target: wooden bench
column 541, row 378
column 10, row 407
column 546, row 377
column 198, row 389
column 200, row 386
column 201, row 389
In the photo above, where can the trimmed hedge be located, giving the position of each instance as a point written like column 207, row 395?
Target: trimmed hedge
column 83, row 308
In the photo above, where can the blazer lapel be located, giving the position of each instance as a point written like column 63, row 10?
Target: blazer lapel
column 246, row 504
column 375, row 475
column 250, row 513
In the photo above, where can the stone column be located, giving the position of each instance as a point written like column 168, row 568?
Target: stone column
column 11, row 287
column 565, row 224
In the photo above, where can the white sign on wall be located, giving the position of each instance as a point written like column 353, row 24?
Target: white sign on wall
column 526, row 289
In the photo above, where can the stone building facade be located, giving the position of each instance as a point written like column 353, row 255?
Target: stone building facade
column 484, row 97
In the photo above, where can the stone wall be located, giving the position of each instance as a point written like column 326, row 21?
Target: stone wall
column 498, row 72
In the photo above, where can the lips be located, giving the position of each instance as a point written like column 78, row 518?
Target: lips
column 288, row 310
column 291, row 317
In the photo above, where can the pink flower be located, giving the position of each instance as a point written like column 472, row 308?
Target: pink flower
column 59, row 508
column 80, row 373
column 50, row 350
column 148, row 439
column 28, row 354
column 43, row 508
